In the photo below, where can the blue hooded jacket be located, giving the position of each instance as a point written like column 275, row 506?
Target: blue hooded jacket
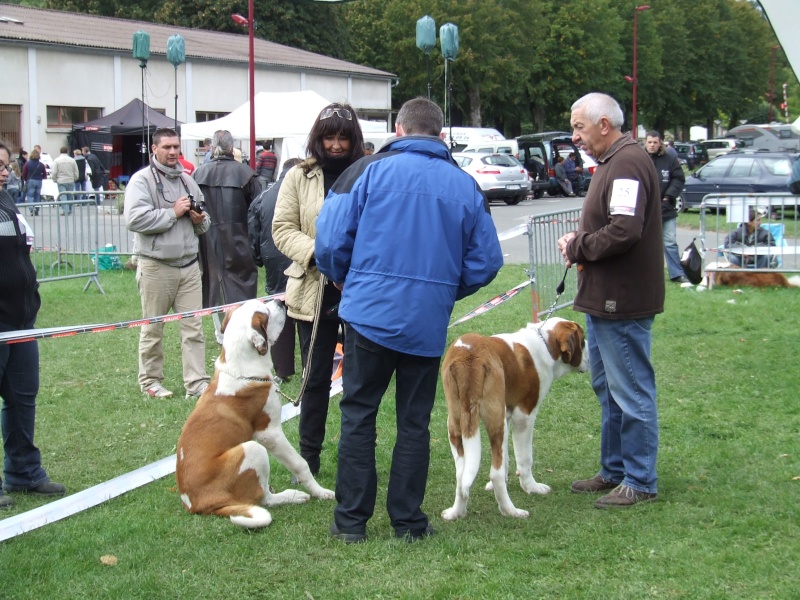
column 408, row 233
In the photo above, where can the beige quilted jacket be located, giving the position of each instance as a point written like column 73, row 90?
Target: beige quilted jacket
column 294, row 228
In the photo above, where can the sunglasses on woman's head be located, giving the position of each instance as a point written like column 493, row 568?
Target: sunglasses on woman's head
column 342, row 113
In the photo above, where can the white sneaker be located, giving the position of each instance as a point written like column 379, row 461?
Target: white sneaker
column 158, row 391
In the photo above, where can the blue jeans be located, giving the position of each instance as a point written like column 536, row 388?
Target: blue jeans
column 669, row 234
column 624, row 381
column 66, row 209
column 368, row 369
column 19, row 384
column 80, row 186
column 34, row 193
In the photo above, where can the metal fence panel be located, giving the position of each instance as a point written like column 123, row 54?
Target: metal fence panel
column 722, row 214
column 70, row 246
column 546, row 263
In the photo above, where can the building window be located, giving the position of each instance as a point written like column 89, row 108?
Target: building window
column 65, row 116
column 203, row 116
column 10, row 125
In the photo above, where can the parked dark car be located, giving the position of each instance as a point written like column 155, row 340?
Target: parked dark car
column 738, row 172
column 693, row 154
column 538, row 153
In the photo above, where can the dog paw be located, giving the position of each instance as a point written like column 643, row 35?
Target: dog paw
column 325, row 494
column 489, row 487
column 299, row 497
column 451, row 514
column 536, row 488
column 517, row 513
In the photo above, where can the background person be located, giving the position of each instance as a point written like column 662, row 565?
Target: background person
column 751, row 234
column 32, row 174
column 98, row 176
column 334, row 143
column 19, row 363
column 619, row 253
column 229, row 187
column 574, row 172
column 166, row 232
column 267, row 255
column 80, row 182
column 397, row 298
column 369, row 148
column 65, row 173
column 671, row 180
column 13, row 184
column 266, row 163
column 561, row 177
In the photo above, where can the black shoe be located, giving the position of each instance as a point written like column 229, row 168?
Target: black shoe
column 48, row 488
column 680, row 279
column 414, row 536
column 6, row 501
column 347, row 538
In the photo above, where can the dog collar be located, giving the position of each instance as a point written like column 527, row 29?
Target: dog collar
column 260, row 379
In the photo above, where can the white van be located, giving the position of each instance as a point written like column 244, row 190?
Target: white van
column 469, row 136
column 495, row 147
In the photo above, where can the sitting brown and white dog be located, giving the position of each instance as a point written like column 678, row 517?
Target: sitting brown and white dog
column 717, row 274
column 503, row 380
column 223, row 465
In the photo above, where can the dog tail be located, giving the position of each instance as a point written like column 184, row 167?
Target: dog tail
column 246, row 515
column 794, row 280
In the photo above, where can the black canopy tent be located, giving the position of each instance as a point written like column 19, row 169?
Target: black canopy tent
column 116, row 139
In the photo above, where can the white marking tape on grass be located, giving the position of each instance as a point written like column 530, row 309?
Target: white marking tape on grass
column 93, row 496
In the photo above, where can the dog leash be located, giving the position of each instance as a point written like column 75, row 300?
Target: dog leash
column 559, row 291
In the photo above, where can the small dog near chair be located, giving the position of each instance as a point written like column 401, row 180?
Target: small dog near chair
column 222, row 461
column 717, row 273
column 502, row 380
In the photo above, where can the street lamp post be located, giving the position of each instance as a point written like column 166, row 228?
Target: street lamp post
column 636, row 12
column 239, row 19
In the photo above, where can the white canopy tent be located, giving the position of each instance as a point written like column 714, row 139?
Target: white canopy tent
column 285, row 117
column 782, row 15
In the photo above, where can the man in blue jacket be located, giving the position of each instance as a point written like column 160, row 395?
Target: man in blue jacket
column 404, row 233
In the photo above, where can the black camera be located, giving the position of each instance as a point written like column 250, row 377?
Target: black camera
column 197, row 206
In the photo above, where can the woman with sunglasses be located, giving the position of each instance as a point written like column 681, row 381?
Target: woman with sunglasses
column 334, row 143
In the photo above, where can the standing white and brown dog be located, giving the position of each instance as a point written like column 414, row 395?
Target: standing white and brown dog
column 503, row 380
column 223, row 465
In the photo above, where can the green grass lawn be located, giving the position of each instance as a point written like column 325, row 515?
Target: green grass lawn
column 726, row 525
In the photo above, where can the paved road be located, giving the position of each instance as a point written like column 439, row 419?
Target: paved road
column 516, row 250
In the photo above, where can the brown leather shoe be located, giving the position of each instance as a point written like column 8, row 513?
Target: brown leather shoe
column 624, row 497
column 590, row 486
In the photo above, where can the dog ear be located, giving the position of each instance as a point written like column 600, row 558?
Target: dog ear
column 570, row 343
column 225, row 321
column 259, row 323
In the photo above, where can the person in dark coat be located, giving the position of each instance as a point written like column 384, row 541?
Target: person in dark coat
column 229, row 187
column 265, row 254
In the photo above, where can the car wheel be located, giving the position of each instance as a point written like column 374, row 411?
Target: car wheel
column 514, row 201
column 679, row 204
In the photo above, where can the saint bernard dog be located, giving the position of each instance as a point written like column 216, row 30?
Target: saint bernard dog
column 503, row 380
column 223, row 466
column 717, row 274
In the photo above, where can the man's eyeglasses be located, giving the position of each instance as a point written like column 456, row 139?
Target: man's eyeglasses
column 4, row 167
column 342, row 113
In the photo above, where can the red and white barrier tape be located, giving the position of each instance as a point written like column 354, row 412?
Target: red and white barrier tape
column 493, row 303
column 27, row 335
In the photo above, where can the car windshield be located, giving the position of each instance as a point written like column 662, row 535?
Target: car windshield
column 501, row 160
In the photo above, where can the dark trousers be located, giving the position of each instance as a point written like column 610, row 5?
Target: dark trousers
column 316, row 395
column 368, row 369
column 282, row 351
column 19, row 385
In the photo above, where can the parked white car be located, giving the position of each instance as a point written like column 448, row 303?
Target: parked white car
column 500, row 176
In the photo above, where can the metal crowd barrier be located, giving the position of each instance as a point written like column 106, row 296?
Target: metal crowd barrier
column 722, row 214
column 71, row 246
column 546, row 268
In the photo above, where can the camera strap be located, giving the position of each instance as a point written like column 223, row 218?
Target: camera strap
column 160, row 184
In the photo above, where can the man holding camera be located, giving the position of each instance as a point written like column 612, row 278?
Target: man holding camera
column 163, row 210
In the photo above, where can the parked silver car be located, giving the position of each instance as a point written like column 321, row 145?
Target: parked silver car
column 500, row 176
